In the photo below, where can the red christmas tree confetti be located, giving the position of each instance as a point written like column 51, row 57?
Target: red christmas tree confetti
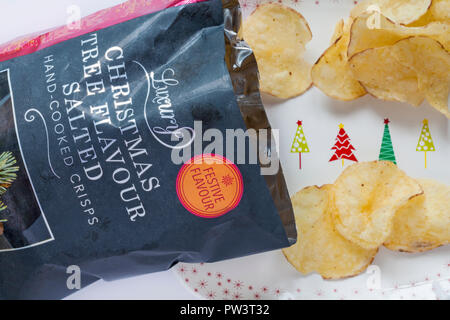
column 343, row 148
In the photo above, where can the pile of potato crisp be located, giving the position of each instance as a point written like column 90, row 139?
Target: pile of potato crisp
column 395, row 50
column 341, row 226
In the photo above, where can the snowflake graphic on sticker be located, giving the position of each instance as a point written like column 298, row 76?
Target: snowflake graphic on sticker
column 227, row 180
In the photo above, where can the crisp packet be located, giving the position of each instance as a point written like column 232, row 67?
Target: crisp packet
column 116, row 158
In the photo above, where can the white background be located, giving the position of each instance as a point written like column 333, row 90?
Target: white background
column 22, row 17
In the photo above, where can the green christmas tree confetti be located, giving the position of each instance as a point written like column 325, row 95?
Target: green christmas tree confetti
column 387, row 150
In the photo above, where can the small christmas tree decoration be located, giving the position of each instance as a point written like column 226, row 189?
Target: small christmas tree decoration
column 387, row 150
column 7, row 171
column 7, row 177
column 343, row 148
column 300, row 145
column 425, row 143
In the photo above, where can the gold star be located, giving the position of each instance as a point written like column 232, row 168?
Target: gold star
column 341, row 126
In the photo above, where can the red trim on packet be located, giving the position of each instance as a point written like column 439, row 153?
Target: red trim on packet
column 102, row 19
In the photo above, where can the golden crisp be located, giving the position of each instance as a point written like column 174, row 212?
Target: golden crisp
column 364, row 36
column 366, row 197
column 320, row 248
column 332, row 73
column 278, row 35
column 338, row 31
column 431, row 62
column 384, row 77
column 399, row 11
column 439, row 12
column 423, row 223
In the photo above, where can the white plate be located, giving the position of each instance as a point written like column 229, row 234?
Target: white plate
column 392, row 275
